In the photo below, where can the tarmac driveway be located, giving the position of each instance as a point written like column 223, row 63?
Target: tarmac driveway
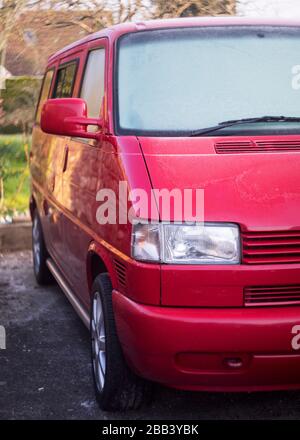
column 45, row 369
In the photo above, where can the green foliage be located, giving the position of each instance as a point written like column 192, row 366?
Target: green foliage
column 14, row 175
column 19, row 103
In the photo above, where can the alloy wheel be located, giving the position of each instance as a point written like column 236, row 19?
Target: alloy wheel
column 36, row 242
column 98, row 341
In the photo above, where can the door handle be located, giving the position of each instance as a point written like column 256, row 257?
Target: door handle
column 65, row 161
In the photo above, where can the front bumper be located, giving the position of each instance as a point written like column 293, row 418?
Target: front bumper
column 225, row 349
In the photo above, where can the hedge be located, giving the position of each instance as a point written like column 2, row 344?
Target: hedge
column 19, row 102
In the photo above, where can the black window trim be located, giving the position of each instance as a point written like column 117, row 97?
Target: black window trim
column 103, row 46
column 91, row 49
column 63, row 66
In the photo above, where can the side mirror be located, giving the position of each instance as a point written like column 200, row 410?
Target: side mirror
column 68, row 117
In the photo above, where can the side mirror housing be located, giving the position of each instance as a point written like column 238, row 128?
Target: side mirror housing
column 68, row 117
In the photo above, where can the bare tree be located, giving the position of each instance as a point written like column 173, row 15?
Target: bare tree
column 9, row 11
column 189, row 8
column 93, row 15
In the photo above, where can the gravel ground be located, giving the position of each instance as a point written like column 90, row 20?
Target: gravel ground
column 45, row 370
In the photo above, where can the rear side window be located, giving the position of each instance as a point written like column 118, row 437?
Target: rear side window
column 93, row 85
column 65, row 81
column 44, row 93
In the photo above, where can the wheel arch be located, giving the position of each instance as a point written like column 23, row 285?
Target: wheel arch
column 99, row 261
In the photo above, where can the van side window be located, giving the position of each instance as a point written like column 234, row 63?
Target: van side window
column 44, row 93
column 92, row 89
column 65, row 81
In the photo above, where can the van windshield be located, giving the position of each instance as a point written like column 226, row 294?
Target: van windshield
column 171, row 82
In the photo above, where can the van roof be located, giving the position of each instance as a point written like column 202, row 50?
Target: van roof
column 113, row 32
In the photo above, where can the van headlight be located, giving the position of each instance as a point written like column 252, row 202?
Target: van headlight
column 208, row 243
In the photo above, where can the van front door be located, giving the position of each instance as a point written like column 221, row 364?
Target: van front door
column 81, row 173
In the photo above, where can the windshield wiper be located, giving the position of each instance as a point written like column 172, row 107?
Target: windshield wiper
column 233, row 122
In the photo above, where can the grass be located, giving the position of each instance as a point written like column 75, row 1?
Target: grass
column 14, row 174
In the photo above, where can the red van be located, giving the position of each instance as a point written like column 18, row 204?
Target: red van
column 208, row 108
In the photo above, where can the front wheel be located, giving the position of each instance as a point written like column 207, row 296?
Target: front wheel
column 117, row 388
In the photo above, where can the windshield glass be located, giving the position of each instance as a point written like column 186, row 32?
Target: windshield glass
column 173, row 81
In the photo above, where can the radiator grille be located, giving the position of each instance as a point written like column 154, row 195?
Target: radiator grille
column 272, row 296
column 257, row 146
column 271, row 247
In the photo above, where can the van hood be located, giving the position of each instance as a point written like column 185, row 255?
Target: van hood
column 254, row 182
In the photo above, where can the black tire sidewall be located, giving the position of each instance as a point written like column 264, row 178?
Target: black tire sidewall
column 42, row 273
column 122, row 388
column 115, row 364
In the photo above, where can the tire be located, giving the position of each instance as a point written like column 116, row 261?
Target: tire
column 42, row 274
column 117, row 388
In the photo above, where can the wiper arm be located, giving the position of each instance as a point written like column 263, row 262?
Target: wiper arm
column 232, row 122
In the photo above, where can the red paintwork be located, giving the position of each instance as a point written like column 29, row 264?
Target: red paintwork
column 67, row 117
column 176, row 323
column 188, row 348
